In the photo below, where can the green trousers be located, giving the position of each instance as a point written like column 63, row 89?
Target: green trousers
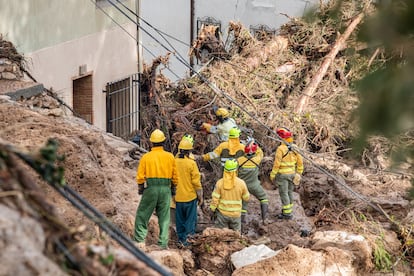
column 156, row 197
column 257, row 190
column 251, row 177
column 285, row 185
column 228, row 222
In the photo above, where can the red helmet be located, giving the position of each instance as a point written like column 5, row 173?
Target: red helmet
column 250, row 148
column 284, row 133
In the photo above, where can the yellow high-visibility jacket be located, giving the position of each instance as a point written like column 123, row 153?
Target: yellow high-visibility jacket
column 225, row 150
column 228, row 195
column 287, row 161
column 157, row 166
column 189, row 179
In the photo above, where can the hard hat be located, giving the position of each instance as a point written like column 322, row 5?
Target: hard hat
column 189, row 138
column 222, row 112
column 230, row 165
column 234, row 132
column 157, row 136
column 185, row 145
column 251, row 147
column 284, row 133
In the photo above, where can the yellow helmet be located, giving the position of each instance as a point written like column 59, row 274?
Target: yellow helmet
column 222, row 112
column 234, row 132
column 230, row 165
column 189, row 138
column 157, row 136
column 185, row 144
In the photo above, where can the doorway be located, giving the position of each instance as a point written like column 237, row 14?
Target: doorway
column 83, row 98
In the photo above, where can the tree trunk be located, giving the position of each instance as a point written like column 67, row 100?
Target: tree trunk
column 339, row 44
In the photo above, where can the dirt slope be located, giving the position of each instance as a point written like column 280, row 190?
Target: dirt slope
column 92, row 167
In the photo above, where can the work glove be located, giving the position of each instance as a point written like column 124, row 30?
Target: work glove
column 141, row 188
column 173, row 190
column 272, row 176
column 296, row 179
column 206, row 126
column 213, row 215
column 200, row 197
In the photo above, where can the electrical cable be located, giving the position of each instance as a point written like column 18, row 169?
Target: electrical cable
column 94, row 215
column 146, row 22
column 150, row 35
column 155, row 29
column 138, row 42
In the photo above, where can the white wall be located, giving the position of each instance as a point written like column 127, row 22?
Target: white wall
column 173, row 18
column 110, row 55
column 252, row 12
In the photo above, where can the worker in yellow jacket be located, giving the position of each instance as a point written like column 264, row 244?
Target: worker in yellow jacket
column 189, row 192
column 229, row 149
column 190, row 139
column 287, row 169
column 227, row 197
column 157, row 179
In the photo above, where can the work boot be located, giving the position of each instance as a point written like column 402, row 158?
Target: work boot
column 243, row 218
column 264, row 207
column 284, row 216
column 243, row 229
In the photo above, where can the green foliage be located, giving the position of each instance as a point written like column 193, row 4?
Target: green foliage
column 45, row 164
column 108, row 260
column 207, row 247
column 382, row 259
column 387, row 94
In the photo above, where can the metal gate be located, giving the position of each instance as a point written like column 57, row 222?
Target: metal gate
column 122, row 106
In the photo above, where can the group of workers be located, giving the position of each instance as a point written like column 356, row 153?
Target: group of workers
column 163, row 178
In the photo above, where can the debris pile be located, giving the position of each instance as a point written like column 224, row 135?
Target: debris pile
column 261, row 81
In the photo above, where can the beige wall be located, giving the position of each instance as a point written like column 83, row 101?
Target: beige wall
column 109, row 55
column 58, row 36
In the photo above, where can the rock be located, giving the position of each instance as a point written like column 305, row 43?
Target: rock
column 355, row 244
column 171, row 259
column 251, row 255
column 293, row 260
column 22, row 243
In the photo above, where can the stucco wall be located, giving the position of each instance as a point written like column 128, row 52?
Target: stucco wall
column 59, row 36
column 35, row 24
column 109, row 55
column 173, row 18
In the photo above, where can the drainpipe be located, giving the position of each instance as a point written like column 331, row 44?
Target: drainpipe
column 140, row 60
column 191, row 29
column 139, row 42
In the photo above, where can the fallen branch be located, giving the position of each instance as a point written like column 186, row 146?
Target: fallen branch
column 339, row 44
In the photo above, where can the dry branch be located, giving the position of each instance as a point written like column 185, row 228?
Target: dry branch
column 339, row 44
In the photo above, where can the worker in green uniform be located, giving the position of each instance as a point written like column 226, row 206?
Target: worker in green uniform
column 157, row 179
column 228, row 149
column 287, row 168
column 249, row 172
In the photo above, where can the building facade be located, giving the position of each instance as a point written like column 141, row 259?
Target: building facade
column 74, row 48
